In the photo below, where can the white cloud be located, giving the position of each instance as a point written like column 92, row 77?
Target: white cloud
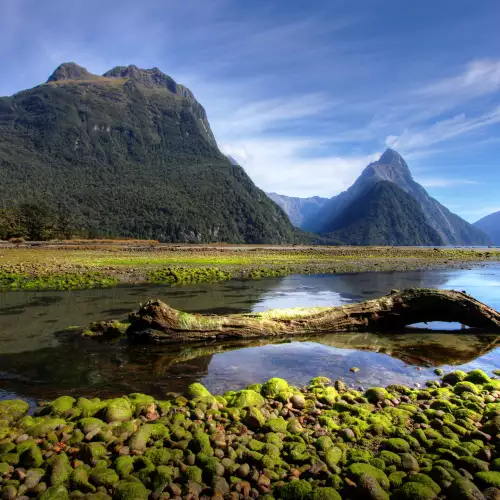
column 277, row 165
column 444, row 182
column 441, row 131
column 479, row 78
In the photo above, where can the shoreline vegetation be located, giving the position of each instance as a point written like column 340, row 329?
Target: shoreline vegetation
column 323, row 441
column 90, row 264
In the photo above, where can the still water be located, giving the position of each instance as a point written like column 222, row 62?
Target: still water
column 41, row 359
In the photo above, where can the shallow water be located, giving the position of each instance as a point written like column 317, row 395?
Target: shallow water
column 39, row 360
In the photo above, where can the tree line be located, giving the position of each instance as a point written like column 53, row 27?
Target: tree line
column 35, row 222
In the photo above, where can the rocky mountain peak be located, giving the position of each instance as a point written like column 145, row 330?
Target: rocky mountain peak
column 390, row 167
column 70, row 71
column 149, row 78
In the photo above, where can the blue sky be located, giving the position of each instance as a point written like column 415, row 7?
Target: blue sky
column 303, row 94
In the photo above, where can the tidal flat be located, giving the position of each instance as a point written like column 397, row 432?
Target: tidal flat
column 79, row 265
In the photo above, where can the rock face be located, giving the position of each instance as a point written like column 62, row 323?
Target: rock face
column 298, row 209
column 129, row 154
column 392, row 168
column 491, row 226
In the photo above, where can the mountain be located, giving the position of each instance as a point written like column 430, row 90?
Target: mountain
column 491, row 226
column 384, row 214
column 131, row 154
column 298, row 209
column 392, row 168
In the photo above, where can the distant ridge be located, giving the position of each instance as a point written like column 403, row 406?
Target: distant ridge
column 491, row 226
column 298, row 209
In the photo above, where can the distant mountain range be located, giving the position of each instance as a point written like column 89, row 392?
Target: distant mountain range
column 491, row 226
column 298, row 209
column 398, row 212
column 131, row 154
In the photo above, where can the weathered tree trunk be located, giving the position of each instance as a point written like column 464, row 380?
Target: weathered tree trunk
column 157, row 322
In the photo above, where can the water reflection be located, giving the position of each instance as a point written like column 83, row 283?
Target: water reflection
column 36, row 362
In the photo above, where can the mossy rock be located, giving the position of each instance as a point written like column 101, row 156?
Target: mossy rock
column 477, row 377
column 103, row 477
column 277, row 424
column 118, row 410
column 58, row 492
column 376, row 395
column 397, row 445
column 357, row 470
column 198, row 390
column 454, row 377
column 295, row 490
column 79, row 480
column 370, row 488
column 414, row 491
column 396, row 478
column 60, row 406
column 90, row 407
column 274, row 386
column 488, row 479
column 245, row 398
column 325, row 494
column 425, row 480
column 464, row 387
column 124, row 465
column 129, row 489
column 463, row 489
column 13, row 409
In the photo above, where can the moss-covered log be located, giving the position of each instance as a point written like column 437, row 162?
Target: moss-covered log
column 157, row 322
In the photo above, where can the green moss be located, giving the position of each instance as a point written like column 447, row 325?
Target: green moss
column 397, row 445
column 295, row 490
column 454, row 377
column 193, row 473
column 463, row 488
column 90, row 407
column 13, row 409
column 245, row 398
column 278, row 424
column 376, row 394
column 130, row 490
column 325, row 494
column 274, row 386
column 58, row 492
column 370, row 488
column 103, row 477
column 413, row 491
column 356, row 470
column 197, row 390
column 390, row 458
column 124, row 465
column 462, row 387
column 425, row 480
column 488, row 479
column 118, row 410
column 31, row 456
column 477, row 377
column 396, row 478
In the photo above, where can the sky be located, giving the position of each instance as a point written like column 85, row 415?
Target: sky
column 302, row 94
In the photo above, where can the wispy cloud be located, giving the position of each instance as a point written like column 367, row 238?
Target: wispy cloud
column 480, row 77
column 442, row 130
column 444, row 182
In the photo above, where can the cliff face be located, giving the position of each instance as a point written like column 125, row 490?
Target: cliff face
column 298, row 209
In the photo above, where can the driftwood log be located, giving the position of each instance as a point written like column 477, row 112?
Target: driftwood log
column 157, row 322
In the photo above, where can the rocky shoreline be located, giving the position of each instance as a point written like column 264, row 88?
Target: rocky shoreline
column 321, row 441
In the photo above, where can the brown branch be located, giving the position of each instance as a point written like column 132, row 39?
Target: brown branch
column 157, row 322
